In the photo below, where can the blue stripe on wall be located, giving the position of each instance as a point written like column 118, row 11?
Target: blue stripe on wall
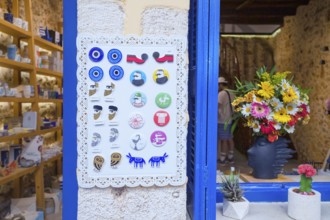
column 70, row 187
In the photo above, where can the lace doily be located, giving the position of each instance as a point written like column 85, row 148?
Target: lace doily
column 135, row 177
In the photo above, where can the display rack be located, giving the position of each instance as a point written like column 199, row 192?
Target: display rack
column 32, row 40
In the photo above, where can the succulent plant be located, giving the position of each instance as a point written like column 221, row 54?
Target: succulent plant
column 230, row 187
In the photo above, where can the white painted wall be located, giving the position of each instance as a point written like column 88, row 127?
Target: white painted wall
column 138, row 17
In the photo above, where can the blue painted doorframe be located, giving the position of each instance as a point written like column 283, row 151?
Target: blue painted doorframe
column 204, row 17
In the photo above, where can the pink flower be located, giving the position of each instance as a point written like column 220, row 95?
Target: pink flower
column 306, row 169
column 259, row 110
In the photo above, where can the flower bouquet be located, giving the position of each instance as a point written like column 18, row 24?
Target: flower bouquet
column 304, row 202
column 271, row 105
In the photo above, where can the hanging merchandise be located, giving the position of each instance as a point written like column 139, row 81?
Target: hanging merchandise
column 132, row 121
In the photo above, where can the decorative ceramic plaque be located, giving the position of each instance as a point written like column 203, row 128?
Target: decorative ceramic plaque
column 132, row 104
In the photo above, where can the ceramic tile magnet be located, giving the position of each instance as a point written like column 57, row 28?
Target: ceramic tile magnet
column 95, row 73
column 138, row 161
column 114, row 133
column 137, row 142
column 136, row 121
column 158, row 138
column 96, row 139
column 116, row 72
column 114, row 56
column 97, row 111
column 93, row 89
column 134, row 59
column 138, row 78
column 96, row 54
column 156, row 160
column 161, row 118
column 161, row 76
column 138, row 99
column 115, row 159
column 112, row 112
column 98, row 163
column 163, row 100
column 166, row 58
column 109, row 89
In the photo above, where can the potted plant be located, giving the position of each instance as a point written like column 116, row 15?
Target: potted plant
column 271, row 106
column 234, row 204
column 304, row 203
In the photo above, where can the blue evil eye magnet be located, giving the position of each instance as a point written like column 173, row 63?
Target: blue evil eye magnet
column 155, row 161
column 114, row 56
column 138, row 78
column 138, row 161
column 116, row 72
column 96, row 54
column 96, row 73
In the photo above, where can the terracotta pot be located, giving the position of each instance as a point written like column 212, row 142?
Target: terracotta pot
column 235, row 210
column 304, row 207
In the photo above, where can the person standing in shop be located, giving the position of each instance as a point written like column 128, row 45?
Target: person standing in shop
column 225, row 111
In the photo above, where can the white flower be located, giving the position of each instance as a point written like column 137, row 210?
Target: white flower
column 296, row 90
column 289, row 129
column 277, row 125
column 270, row 116
column 257, row 99
column 292, row 108
column 285, row 84
column 276, row 104
column 246, row 110
column 255, row 126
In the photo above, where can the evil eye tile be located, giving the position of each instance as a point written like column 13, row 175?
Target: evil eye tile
column 96, row 139
column 112, row 112
column 116, row 72
column 114, row 133
column 98, row 163
column 114, row 56
column 163, row 100
column 138, row 78
column 96, row 54
column 109, row 89
column 137, row 142
column 161, row 118
column 138, row 99
column 136, row 120
column 115, row 159
column 158, row 138
column 96, row 73
column 93, row 88
column 161, row 76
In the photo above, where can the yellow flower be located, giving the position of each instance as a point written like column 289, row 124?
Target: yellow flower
column 249, row 122
column 249, row 96
column 281, row 116
column 277, row 78
column 238, row 109
column 267, row 90
column 289, row 95
column 265, row 76
column 237, row 101
column 306, row 120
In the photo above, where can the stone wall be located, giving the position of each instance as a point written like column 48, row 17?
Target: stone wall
column 120, row 17
column 298, row 47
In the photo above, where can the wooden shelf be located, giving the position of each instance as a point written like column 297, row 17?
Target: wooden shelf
column 13, row 30
column 4, row 62
column 16, row 174
column 28, row 134
column 14, row 99
column 48, row 72
column 51, row 100
column 46, row 44
column 19, row 172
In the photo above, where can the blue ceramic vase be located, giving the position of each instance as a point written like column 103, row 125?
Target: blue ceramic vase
column 268, row 158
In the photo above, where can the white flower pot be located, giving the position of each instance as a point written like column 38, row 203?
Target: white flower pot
column 236, row 210
column 304, row 207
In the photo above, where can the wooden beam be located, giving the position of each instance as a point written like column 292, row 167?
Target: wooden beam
column 244, row 4
column 251, row 12
column 264, row 4
column 252, row 20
